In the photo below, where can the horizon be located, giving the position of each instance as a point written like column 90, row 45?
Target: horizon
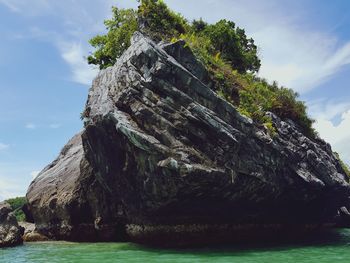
column 45, row 78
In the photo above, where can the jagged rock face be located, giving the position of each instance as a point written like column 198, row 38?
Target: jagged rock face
column 161, row 151
column 175, row 151
column 10, row 231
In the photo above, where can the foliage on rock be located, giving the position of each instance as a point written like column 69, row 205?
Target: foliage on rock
column 344, row 166
column 159, row 21
column 16, row 205
column 232, row 44
column 112, row 45
column 228, row 54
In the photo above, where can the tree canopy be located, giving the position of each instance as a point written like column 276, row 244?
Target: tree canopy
column 158, row 21
column 16, row 204
column 111, row 46
column 230, row 56
column 233, row 45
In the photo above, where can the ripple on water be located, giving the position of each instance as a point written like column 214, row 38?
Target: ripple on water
column 323, row 250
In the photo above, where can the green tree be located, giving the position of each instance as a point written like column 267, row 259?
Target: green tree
column 344, row 166
column 229, row 55
column 155, row 19
column 234, row 46
column 111, row 46
column 159, row 21
column 198, row 25
column 16, row 205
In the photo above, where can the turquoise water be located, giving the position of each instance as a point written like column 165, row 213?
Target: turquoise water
column 326, row 249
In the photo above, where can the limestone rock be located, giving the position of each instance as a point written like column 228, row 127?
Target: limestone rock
column 66, row 199
column 30, row 234
column 161, row 150
column 10, row 231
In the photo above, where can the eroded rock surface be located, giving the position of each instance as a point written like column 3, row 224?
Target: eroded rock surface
column 10, row 231
column 66, row 201
column 161, row 150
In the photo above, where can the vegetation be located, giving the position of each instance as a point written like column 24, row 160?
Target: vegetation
column 343, row 165
column 230, row 43
column 229, row 55
column 112, row 45
column 252, row 95
column 16, row 205
column 159, row 21
column 258, row 97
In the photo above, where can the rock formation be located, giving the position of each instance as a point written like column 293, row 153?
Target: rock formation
column 10, row 231
column 66, row 200
column 163, row 156
column 30, row 234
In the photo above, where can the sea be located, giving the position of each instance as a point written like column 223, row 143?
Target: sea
column 330, row 248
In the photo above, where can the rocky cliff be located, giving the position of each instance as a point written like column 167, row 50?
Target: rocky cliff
column 10, row 231
column 163, row 157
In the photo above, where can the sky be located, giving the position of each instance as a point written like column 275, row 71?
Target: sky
column 44, row 77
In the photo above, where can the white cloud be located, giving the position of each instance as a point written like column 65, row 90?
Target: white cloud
column 55, row 125
column 9, row 189
column 34, row 7
column 10, row 5
column 336, row 133
column 73, row 53
column 79, row 20
column 327, row 109
column 3, row 146
column 294, row 52
column 13, row 179
column 303, row 66
column 34, row 174
column 30, row 126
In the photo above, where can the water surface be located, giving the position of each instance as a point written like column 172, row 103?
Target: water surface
column 330, row 248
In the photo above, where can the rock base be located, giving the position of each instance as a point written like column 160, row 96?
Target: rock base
column 201, row 235
column 31, row 234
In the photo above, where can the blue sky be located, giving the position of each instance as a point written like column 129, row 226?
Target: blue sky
column 44, row 80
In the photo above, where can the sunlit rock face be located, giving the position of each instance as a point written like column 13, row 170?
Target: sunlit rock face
column 66, row 200
column 163, row 157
